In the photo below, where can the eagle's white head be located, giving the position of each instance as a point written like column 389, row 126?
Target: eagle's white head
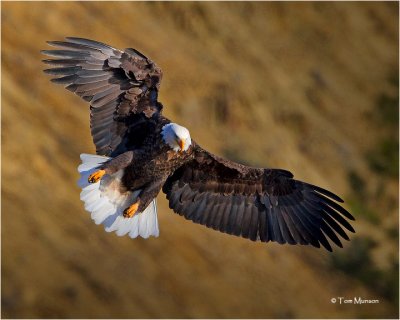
column 176, row 136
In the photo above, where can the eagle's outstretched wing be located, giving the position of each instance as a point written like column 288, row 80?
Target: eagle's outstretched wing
column 255, row 203
column 121, row 86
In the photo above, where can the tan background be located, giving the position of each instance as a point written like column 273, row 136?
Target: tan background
column 309, row 87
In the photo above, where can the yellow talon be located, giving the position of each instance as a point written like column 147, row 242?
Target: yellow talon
column 96, row 176
column 130, row 211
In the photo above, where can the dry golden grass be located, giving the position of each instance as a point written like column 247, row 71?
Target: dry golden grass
column 289, row 85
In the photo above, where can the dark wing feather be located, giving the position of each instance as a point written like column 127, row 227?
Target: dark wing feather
column 121, row 86
column 258, row 204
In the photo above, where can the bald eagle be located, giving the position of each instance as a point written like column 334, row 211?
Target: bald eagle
column 140, row 153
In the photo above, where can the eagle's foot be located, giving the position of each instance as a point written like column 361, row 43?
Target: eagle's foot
column 96, row 176
column 130, row 211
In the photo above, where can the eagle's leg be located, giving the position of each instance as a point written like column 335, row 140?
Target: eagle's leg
column 131, row 210
column 96, row 176
column 112, row 166
column 144, row 198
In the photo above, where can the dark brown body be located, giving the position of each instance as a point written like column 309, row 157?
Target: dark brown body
column 150, row 161
column 161, row 165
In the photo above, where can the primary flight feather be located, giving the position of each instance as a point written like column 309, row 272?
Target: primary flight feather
column 140, row 153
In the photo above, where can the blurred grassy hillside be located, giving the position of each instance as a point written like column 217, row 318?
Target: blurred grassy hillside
column 309, row 87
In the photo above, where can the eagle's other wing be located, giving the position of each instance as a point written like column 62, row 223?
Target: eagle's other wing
column 121, row 86
column 255, row 203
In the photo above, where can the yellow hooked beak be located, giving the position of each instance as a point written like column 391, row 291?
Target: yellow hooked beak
column 181, row 144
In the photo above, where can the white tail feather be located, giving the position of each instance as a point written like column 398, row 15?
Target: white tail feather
column 106, row 203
